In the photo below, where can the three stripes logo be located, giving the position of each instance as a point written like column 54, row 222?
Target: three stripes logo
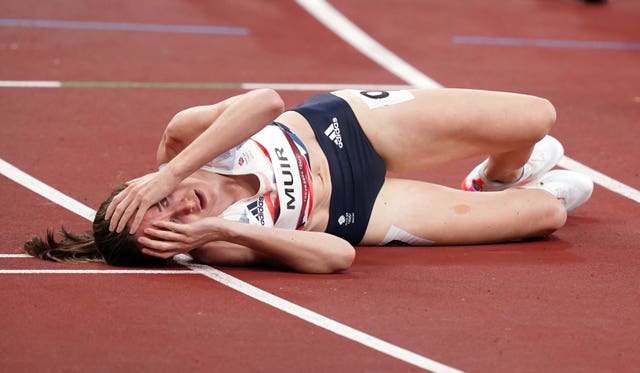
column 333, row 132
column 257, row 209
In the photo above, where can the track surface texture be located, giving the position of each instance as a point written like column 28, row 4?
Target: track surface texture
column 569, row 303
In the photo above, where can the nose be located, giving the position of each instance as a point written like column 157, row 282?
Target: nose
column 187, row 207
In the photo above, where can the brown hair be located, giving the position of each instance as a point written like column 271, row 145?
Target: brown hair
column 98, row 245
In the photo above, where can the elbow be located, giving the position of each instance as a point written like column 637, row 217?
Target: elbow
column 270, row 99
column 345, row 259
column 338, row 261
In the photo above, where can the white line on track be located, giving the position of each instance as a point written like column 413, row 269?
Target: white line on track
column 85, row 271
column 322, row 321
column 359, row 40
column 197, row 85
column 30, row 84
column 601, row 179
column 362, row 42
column 45, row 190
column 323, row 86
column 371, row 48
column 333, row 326
column 94, row 272
column 568, row 163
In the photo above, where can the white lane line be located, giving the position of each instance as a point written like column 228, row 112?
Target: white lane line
column 321, row 321
column 568, row 163
column 94, row 272
column 45, row 190
column 14, row 256
column 323, row 86
column 601, row 179
column 30, row 84
column 198, row 85
column 368, row 46
column 225, row 279
column 359, row 40
column 84, row 271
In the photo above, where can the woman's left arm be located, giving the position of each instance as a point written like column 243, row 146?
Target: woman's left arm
column 219, row 241
column 236, row 120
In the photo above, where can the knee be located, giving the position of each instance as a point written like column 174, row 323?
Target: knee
column 533, row 118
column 547, row 114
column 541, row 118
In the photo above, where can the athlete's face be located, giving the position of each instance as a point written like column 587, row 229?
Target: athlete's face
column 192, row 200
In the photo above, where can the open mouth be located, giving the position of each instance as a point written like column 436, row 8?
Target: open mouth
column 202, row 200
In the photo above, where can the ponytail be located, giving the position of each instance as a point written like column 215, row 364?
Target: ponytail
column 99, row 245
column 72, row 247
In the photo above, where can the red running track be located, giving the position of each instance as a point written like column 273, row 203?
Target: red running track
column 566, row 304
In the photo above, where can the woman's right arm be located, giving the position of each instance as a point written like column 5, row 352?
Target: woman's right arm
column 237, row 120
column 187, row 125
column 188, row 148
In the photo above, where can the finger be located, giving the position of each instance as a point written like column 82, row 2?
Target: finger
column 171, row 226
column 136, row 180
column 163, row 255
column 163, row 234
column 133, row 181
column 117, row 214
column 141, row 178
column 154, row 244
column 160, row 246
column 142, row 210
column 121, row 208
column 126, row 214
column 114, row 203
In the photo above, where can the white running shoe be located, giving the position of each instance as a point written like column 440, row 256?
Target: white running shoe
column 571, row 188
column 546, row 154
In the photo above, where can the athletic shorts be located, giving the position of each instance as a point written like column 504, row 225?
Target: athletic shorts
column 357, row 171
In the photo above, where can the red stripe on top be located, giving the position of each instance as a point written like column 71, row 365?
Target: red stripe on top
column 305, row 177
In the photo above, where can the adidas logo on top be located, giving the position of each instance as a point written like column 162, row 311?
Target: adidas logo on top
column 333, row 132
column 257, row 209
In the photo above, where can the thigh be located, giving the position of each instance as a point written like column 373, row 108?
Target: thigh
column 448, row 216
column 442, row 125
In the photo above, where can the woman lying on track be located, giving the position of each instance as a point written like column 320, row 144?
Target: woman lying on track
column 300, row 191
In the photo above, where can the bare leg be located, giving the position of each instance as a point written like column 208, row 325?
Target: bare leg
column 443, row 125
column 449, row 216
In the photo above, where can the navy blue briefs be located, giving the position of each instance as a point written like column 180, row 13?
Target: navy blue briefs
column 357, row 171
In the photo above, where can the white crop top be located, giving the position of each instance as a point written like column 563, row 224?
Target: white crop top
column 280, row 161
